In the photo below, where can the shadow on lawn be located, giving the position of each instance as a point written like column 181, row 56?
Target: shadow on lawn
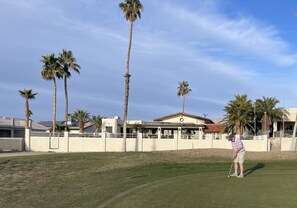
column 251, row 170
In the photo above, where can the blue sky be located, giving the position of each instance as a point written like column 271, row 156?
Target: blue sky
column 221, row 47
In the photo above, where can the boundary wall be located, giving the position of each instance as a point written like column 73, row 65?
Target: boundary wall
column 11, row 144
column 288, row 144
column 68, row 143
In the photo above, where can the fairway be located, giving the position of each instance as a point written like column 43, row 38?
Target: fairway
column 158, row 179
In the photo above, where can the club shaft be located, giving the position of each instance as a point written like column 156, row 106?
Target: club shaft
column 231, row 168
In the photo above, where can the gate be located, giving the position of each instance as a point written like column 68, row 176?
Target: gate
column 54, row 140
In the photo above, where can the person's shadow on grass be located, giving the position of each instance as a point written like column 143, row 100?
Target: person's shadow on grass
column 251, row 170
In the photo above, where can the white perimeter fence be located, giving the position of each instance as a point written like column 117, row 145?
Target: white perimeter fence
column 115, row 143
column 11, row 144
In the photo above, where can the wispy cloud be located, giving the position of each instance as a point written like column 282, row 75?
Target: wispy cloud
column 244, row 35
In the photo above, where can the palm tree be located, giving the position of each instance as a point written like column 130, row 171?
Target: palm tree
column 295, row 127
column 137, row 127
column 97, row 122
column 267, row 110
column 67, row 62
column 183, row 90
column 50, row 71
column 28, row 95
column 81, row 116
column 132, row 10
column 239, row 114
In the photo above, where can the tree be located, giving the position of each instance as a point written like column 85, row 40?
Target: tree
column 66, row 63
column 132, row 10
column 183, row 90
column 81, row 116
column 51, row 71
column 295, row 127
column 239, row 114
column 28, row 95
column 267, row 110
column 137, row 127
column 97, row 122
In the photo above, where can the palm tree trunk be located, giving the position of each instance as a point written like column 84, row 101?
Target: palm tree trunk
column 27, row 114
column 238, row 123
column 66, row 102
column 127, row 81
column 55, row 106
column 295, row 126
column 81, row 126
column 265, row 122
column 268, row 123
column 183, row 103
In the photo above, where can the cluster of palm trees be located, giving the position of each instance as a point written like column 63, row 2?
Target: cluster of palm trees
column 82, row 116
column 54, row 68
column 244, row 115
column 60, row 67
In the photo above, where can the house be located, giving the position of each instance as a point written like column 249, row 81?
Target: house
column 49, row 124
column 215, row 130
column 73, row 126
column 14, row 127
column 163, row 127
column 286, row 124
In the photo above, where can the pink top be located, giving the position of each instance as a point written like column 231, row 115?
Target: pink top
column 237, row 144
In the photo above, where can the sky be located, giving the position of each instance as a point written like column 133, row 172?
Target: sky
column 222, row 48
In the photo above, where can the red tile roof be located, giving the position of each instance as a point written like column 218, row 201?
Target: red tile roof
column 213, row 128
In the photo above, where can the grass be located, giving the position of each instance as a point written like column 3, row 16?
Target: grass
column 142, row 180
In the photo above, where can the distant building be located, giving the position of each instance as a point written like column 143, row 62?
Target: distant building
column 14, row 127
column 286, row 124
column 166, row 126
column 73, row 126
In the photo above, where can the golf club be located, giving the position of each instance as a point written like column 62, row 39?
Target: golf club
column 230, row 169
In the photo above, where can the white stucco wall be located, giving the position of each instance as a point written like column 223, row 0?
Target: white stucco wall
column 292, row 114
column 288, row 144
column 86, row 144
column 186, row 120
column 8, row 144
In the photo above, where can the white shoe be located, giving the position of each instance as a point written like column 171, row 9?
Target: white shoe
column 240, row 176
column 234, row 174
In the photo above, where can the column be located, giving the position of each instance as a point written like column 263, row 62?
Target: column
column 103, row 141
column 27, row 143
column 159, row 132
column 140, row 142
column 66, row 145
column 200, row 133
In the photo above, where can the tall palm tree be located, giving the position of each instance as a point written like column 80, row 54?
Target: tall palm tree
column 132, row 10
column 81, row 116
column 28, row 95
column 50, row 71
column 295, row 127
column 183, row 90
column 67, row 62
column 239, row 114
column 97, row 122
column 267, row 110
